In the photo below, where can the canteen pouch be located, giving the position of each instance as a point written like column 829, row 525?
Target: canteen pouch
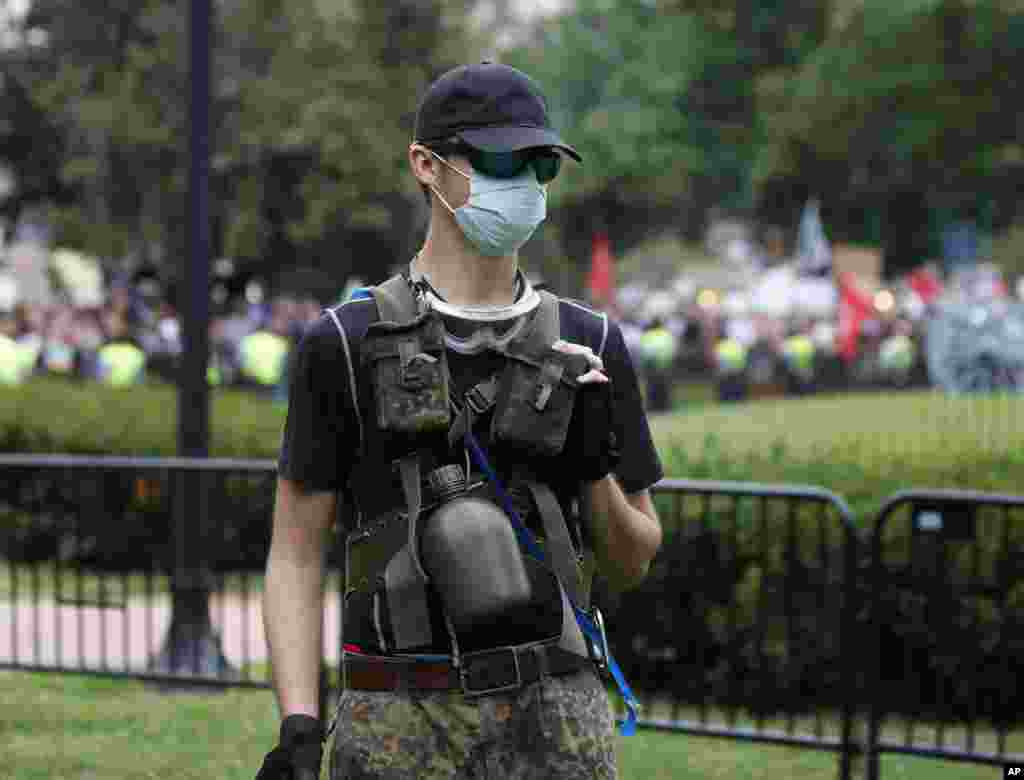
column 470, row 553
column 535, row 400
column 409, row 373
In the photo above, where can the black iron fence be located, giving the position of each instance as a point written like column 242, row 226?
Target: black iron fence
column 769, row 615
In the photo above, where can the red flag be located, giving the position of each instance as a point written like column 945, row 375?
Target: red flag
column 601, row 282
column 855, row 306
column 925, row 284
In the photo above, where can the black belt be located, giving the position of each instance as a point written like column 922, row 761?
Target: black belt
column 481, row 672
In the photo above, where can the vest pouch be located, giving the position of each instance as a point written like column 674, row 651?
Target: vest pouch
column 470, row 553
column 409, row 374
column 535, row 400
column 368, row 550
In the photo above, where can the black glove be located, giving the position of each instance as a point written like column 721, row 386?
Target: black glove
column 298, row 753
column 592, row 445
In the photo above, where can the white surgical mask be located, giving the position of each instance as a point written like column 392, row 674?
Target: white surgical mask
column 500, row 214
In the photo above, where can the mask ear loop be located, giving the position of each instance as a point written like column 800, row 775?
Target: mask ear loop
column 444, row 162
column 441, row 198
column 447, row 164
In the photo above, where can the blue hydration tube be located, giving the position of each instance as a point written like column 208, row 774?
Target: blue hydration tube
column 358, row 293
column 627, row 726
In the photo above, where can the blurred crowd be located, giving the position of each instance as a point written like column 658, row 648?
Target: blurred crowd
column 135, row 335
column 756, row 320
column 897, row 336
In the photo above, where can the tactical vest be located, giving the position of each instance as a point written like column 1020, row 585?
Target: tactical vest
column 413, row 416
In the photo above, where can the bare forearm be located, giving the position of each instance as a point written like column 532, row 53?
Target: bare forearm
column 293, row 621
column 293, row 595
column 626, row 532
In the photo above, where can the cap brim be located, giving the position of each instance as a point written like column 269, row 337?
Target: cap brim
column 512, row 139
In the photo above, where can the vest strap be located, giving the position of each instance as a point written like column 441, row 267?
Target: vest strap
column 561, row 554
column 410, row 615
column 395, row 301
column 478, row 400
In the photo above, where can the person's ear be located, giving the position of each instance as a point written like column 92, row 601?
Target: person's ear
column 423, row 164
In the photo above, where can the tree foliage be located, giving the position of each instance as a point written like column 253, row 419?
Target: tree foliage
column 311, row 115
column 898, row 115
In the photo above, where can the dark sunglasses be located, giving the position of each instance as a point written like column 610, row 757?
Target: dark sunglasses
column 504, row 165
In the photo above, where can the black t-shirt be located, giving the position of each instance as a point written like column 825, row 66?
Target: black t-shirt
column 323, row 430
column 323, row 433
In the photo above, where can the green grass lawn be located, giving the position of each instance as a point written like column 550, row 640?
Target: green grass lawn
column 864, row 447
column 56, row 727
column 870, row 425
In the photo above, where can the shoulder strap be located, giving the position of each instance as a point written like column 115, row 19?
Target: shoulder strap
column 545, row 329
column 561, row 555
column 395, row 301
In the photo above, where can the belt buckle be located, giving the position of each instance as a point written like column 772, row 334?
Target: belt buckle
column 467, row 660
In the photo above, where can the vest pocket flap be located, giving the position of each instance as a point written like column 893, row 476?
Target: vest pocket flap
column 384, row 340
column 573, row 365
column 535, row 402
column 409, row 373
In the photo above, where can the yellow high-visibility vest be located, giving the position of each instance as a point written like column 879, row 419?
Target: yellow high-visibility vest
column 658, row 347
column 121, row 364
column 10, row 362
column 263, row 357
column 28, row 354
column 798, row 351
column 731, row 357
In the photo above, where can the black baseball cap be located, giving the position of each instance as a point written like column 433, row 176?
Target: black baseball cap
column 491, row 107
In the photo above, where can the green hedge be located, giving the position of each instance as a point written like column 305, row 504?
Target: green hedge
column 58, row 416
column 862, row 447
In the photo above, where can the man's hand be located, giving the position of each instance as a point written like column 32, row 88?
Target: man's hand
column 298, row 753
column 596, row 372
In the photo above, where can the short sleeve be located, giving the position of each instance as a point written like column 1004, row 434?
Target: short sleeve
column 639, row 465
column 321, row 434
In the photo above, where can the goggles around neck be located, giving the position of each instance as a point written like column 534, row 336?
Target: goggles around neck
column 546, row 162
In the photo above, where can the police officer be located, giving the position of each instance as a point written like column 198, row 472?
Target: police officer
column 897, row 355
column 658, row 354
column 799, row 360
column 121, row 362
column 730, row 370
column 263, row 355
column 483, row 673
column 11, row 372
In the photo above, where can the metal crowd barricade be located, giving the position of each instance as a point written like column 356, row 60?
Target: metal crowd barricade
column 947, row 615
column 767, row 574
column 145, row 568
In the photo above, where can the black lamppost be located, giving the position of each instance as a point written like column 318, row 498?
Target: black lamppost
column 191, row 645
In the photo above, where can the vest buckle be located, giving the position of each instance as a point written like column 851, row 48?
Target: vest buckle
column 480, row 397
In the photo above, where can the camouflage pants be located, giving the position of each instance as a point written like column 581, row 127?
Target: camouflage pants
column 560, row 727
